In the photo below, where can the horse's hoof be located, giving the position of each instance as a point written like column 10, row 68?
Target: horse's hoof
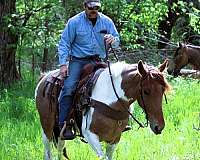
column 84, row 140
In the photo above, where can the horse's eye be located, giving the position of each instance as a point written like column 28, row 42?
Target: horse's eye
column 147, row 91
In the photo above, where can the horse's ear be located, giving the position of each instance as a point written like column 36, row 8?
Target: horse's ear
column 163, row 65
column 182, row 45
column 141, row 69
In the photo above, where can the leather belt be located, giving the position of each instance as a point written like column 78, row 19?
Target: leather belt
column 94, row 58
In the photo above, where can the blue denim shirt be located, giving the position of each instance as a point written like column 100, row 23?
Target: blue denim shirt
column 81, row 39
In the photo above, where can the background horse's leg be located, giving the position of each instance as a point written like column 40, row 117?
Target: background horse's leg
column 91, row 138
column 47, row 147
column 109, row 150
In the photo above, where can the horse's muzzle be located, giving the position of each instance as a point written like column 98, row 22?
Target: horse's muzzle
column 169, row 71
column 175, row 72
column 157, row 129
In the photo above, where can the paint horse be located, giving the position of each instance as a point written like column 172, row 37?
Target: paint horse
column 185, row 54
column 107, row 115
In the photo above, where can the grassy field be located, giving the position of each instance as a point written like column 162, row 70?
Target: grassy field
column 21, row 139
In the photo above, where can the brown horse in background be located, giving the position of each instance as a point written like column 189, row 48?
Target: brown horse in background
column 108, row 114
column 185, row 54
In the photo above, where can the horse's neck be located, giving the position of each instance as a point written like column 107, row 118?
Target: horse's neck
column 131, row 85
column 103, row 90
column 194, row 57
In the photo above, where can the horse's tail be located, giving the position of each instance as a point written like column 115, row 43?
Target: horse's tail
column 56, row 134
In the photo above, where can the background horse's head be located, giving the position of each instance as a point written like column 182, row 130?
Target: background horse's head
column 152, row 87
column 180, row 59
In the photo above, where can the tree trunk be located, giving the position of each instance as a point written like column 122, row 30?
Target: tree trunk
column 45, row 59
column 33, row 65
column 8, row 44
column 166, row 25
column 72, row 7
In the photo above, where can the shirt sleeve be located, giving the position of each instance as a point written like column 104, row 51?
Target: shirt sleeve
column 65, row 42
column 114, row 33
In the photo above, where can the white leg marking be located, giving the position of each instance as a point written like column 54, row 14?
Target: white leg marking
column 47, row 147
column 109, row 150
column 61, row 144
column 92, row 138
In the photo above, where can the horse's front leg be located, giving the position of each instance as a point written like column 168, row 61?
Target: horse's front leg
column 109, row 150
column 92, row 138
column 47, row 147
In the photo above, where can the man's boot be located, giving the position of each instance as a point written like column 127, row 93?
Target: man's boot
column 66, row 132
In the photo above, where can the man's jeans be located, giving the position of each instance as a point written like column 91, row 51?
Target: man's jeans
column 70, row 84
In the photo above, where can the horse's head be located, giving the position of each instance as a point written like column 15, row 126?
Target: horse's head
column 179, row 60
column 152, row 87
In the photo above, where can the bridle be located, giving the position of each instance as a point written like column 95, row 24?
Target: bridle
column 130, row 101
column 111, row 78
column 142, row 97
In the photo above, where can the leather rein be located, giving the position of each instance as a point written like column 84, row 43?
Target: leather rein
column 141, row 94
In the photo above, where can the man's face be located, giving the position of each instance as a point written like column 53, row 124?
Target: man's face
column 91, row 11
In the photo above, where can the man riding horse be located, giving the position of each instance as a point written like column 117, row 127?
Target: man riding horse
column 81, row 43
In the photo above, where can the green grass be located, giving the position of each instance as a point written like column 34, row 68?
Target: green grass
column 20, row 131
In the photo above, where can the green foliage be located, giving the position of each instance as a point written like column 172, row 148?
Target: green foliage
column 195, row 20
column 40, row 23
column 136, row 20
column 187, row 25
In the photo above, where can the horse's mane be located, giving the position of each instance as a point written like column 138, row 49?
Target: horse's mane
column 176, row 53
column 186, row 45
column 158, row 76
column 193, row 46
column 117, row 68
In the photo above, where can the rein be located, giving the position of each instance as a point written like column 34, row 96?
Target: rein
column 111, row 78
column 142, row 97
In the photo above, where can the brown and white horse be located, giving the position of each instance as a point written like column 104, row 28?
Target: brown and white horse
column 140, row 82
column 185, row 54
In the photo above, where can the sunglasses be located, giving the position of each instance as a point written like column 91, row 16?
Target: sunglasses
column 93, row 8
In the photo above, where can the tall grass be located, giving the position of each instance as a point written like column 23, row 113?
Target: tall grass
column 20, row 131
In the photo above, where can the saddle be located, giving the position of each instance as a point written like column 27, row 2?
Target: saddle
column 87, row 81
column 89, row 76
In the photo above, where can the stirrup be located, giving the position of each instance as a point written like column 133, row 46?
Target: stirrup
column 62, row 132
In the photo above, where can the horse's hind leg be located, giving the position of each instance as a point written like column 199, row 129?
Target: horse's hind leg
column 61, row 149
column 47, row 147
column 109, row 150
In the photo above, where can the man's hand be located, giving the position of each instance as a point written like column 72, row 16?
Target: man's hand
column 109, row 39
column 63, row 71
